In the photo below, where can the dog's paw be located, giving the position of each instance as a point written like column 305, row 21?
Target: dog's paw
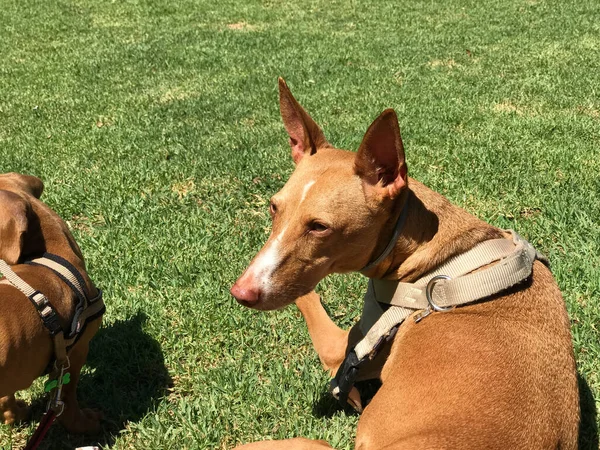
column 87, row 421
column 18, row 412
column 354, row 400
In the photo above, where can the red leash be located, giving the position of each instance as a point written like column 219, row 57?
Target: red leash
column 36, row 439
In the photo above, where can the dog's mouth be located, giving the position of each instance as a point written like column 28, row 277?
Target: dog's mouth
column 257, row 300
column 260, row 305
column 246, row 303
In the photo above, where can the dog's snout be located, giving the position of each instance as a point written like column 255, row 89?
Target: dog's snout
column 246, row 295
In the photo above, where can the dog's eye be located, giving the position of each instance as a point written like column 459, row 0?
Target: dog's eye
column 273, row 208
column 318, row 227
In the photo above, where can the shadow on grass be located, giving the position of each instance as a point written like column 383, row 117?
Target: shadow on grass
column 327, row 406
column 588, row 425
column 129, row 377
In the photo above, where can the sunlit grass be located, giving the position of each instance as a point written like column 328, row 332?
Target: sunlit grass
column 155, row 128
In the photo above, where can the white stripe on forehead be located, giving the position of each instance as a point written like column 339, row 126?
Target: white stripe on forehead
column 307, row 187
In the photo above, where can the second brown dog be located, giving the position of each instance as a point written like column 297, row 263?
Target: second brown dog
column 29, row 229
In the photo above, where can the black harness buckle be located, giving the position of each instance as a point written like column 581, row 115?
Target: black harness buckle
column 46, row 312
column 341, row 385
column 51, row 323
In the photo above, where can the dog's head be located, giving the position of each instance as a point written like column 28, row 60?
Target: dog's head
column 328, row 216
column 29, row 227
column 15, row 212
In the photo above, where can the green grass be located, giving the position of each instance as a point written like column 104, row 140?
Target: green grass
column 155, row 127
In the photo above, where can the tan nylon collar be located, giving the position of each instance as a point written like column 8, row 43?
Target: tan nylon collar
column 459, row 286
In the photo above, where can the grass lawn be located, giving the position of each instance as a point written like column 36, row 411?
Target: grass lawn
column 155, row 127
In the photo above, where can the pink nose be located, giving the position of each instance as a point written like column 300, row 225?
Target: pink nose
column 246, row 295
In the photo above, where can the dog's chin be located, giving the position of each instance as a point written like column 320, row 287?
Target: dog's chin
column 266, row 304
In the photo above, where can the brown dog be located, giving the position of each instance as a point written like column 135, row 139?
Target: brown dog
column 28, row 229
column 496, row 374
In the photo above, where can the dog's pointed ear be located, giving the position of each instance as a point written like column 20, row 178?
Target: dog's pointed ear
column 14, row 213
column 380, row 159
column 306, row 137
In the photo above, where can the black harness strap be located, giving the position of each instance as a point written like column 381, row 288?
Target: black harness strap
column 341, row 385
column 345, row 378
column 72, row 278
column 86, row 309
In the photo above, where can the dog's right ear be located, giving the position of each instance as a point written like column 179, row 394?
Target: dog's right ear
column 305, row 135
column 380, row 160
column 14, row 213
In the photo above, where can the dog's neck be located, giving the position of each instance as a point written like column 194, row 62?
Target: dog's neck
column 435, row 230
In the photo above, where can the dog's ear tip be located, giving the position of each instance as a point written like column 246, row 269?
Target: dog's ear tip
column 37, row 186
column 282, row 84
column 389, row 113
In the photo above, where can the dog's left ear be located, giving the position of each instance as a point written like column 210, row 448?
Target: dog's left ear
column 305, row 135
column 27, row 183
column 32, row 184
column 14, row 213
column 380, row 159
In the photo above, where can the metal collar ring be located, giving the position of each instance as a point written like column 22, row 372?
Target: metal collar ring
column 429, row 292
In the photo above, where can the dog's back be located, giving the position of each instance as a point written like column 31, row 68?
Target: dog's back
column 511, row 358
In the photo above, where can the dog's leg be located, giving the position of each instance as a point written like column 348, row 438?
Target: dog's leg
column 74, row 419
column 329, row 340
column 13, row 410
column 287, row 444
